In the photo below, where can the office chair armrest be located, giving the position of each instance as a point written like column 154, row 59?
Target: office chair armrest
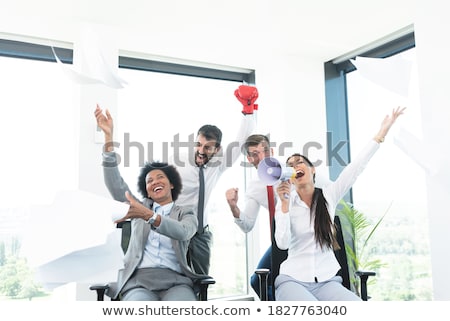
column 101, row 289
column 363, row 276
column 207, row 281
column 262, row 271
column 263, row 275
column 203, row 285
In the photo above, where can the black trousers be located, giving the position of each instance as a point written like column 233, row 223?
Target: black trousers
column 199, row 252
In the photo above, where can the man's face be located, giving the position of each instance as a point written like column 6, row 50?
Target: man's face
column 255, row 154
column 204, row 150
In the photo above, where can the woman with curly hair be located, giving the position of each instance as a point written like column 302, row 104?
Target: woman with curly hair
column 155, row 264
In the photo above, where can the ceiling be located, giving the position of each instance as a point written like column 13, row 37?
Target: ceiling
column 324, row 28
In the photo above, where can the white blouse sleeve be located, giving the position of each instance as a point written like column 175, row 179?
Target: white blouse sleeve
column 282, row 228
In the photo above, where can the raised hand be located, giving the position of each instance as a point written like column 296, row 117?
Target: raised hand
column 387, row 123
column 104, row 120
column 247, row 95
column 136, row 210
column 284, row 191
column 232, row 196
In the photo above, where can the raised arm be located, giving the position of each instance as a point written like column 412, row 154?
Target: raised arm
column 232, row 196
column 387, row 123
column 351, row 172
column 105, row 122
column 247, row 96
column 245, row 218
column 113, row 180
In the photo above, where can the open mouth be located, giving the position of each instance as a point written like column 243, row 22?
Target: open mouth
column 299, row 174
column 201, row 158
column 157, row 189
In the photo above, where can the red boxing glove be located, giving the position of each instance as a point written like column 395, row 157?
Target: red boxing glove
column 247, row 95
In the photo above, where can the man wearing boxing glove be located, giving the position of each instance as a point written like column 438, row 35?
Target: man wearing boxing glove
column 206, row 162
column 207, row 147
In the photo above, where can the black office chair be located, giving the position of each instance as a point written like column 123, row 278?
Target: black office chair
column 278, row 256
column 202, row 284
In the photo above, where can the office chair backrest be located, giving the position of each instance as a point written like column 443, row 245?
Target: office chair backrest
column 278, row 256
column 126, row 234
column 341, row 254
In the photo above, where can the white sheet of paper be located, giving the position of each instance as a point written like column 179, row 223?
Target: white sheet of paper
column 98, row 264
column 94, row 42
column 376, row 69
column 74, row 237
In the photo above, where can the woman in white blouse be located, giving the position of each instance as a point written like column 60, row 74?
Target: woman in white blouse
column 304, row 217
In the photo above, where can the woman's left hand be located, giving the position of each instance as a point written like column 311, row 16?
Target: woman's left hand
column 388, row 121
column 136, row 210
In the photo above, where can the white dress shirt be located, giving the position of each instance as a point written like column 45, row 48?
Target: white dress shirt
column 158, row 248
column 255, row 197
column 213, row 169
column 307, row 261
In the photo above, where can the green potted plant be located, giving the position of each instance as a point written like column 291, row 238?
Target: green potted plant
column 358, row 230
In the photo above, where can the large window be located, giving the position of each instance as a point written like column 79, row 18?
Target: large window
column 39, row 157
column 162, row 102
column 393, row 183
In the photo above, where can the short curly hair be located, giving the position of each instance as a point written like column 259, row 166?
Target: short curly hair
column 169, row 170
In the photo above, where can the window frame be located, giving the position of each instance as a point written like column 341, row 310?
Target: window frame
column 337, row 102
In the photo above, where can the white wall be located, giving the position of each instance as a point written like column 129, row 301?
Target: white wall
column 432, row 29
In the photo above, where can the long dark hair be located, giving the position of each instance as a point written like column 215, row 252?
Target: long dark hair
column 324, row 231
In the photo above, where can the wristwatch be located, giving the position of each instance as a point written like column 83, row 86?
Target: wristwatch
column 152, row 219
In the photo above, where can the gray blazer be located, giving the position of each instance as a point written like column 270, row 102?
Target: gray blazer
column 180, row 226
